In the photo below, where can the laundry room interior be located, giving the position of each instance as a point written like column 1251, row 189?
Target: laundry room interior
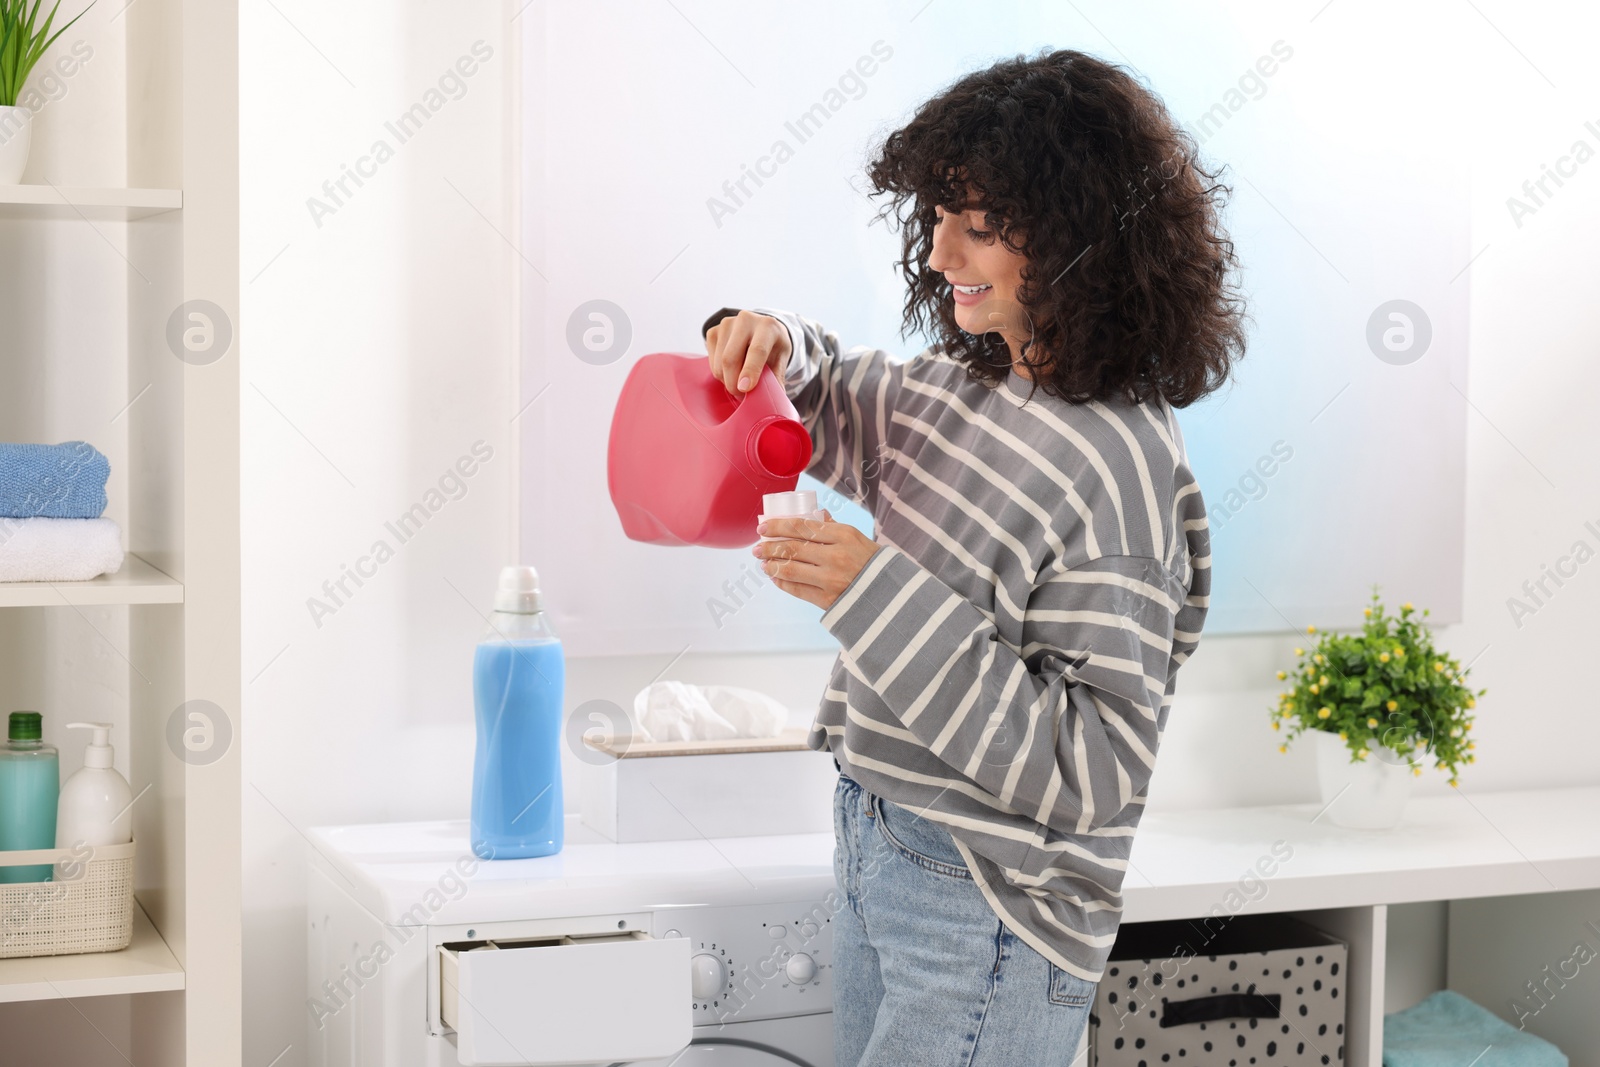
column 503, row 562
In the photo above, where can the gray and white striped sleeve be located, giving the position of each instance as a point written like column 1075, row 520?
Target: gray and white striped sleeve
column 1064, row 731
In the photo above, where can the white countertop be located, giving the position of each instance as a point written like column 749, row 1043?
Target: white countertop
column 389, row 867
column 1184, row 864
column 1448, row 848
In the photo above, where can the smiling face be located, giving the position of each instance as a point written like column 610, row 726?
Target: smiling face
column 984, row 275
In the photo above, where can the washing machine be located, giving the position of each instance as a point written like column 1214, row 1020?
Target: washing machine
column 699, row 953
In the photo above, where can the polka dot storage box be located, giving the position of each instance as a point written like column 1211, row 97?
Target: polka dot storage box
column 1240, row 991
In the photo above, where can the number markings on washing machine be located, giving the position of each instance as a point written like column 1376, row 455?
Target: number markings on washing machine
column 786, row 961
column 712, row 979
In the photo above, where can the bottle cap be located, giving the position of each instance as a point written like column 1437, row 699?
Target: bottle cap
column 801, row 502
column 25, row 726
column 98, row 754
column 519, row 591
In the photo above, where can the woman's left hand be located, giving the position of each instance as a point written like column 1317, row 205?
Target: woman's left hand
column 817, row 560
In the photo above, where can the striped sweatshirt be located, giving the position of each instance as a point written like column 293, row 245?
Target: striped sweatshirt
column 1008, row 655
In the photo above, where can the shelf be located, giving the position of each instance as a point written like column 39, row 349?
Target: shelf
column 136, row 583
column 70, row 202
column 145, row 966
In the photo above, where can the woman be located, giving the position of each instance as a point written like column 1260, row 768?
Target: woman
column 1009, row 639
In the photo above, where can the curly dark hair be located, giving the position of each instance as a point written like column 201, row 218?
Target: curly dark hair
column 1127, row 282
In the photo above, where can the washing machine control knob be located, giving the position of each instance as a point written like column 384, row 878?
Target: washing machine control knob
column 801, row 968
column 708, row 976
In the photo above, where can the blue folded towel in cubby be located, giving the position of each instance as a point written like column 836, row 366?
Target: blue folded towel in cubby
column 65, row 481
column 1448, row 1030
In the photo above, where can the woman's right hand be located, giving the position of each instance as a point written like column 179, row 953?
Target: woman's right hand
column 740, row 345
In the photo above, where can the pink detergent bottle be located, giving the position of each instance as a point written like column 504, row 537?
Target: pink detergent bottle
column 689, row 462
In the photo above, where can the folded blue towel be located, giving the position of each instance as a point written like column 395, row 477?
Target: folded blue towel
column 66, row 481
column 1448, row 1030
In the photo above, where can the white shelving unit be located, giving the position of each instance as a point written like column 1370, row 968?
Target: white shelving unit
column 131, row 211
column 138, row 582
column 1522, row 850
column 58, row 202
column 1520, row 870
column 145, row 966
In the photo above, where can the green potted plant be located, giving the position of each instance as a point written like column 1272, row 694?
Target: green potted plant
column 1377, row 702
column 22, row 42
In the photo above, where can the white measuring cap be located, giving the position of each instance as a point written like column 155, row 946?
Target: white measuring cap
column 518, row 592
column 801, row 502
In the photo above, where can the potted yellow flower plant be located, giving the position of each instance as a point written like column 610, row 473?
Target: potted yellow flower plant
column 1377, row 702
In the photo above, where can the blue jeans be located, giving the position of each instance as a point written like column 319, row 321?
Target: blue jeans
column 923, row 971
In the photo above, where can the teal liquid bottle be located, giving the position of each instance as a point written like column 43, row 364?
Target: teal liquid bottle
column 30, row 783
column 518, row 681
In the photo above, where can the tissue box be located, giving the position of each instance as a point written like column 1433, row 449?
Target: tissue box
column 1264, row 989
column 684, row 790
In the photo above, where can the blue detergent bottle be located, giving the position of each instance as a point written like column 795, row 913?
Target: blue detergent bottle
column 518, row 679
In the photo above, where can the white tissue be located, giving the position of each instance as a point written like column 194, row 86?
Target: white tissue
column 678, row 711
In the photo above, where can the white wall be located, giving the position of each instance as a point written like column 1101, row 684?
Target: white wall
column 378, row 347
column 1322, row 238
column 376, row 350
column 1531, row 474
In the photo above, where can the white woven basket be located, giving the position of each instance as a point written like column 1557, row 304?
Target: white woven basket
column 87, row 906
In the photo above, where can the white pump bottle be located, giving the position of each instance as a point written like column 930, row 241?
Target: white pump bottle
column 95, row 801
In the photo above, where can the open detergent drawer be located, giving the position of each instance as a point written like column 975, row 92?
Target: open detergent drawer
column 567, row 999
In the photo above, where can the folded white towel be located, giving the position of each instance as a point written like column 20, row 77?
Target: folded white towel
column 58, row 550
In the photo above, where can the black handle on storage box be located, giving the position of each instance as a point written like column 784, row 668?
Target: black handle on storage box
column 1250, row 1005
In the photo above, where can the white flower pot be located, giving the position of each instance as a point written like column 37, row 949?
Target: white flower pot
column 16, row 133
column 1367, row 794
